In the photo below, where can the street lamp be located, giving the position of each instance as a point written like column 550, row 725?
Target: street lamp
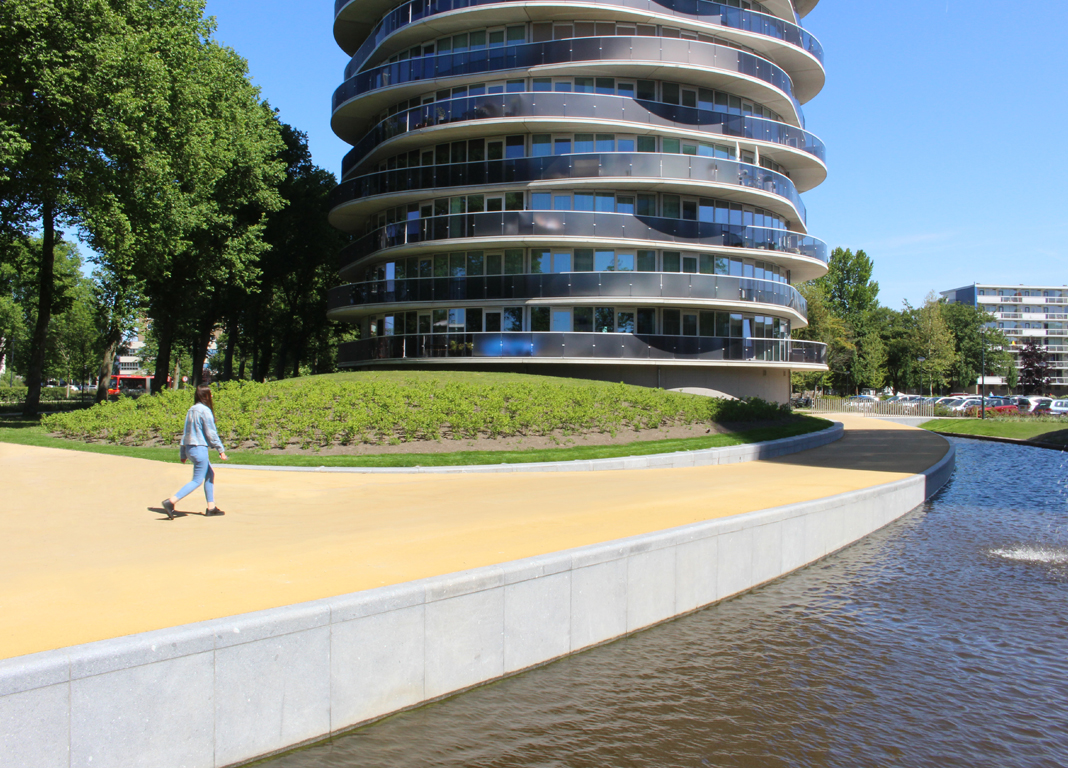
column 982, row 397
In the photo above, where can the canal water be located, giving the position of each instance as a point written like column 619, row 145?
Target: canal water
column 939, row 641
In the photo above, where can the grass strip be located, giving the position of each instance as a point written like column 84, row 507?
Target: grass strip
column 1053, row 432
column 26, row 432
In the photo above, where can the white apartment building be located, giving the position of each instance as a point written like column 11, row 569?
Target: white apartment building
column 1024, row 313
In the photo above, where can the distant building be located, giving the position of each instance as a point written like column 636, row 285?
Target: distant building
column 1024, row 313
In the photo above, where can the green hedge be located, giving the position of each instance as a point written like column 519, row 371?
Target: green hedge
column 321, row 412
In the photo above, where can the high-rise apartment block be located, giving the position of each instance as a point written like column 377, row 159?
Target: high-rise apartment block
column 603, row 188
column 1024, row 313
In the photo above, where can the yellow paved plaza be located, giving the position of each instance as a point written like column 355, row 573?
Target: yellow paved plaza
column 84, row 558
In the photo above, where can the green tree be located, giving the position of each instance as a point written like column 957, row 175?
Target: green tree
column 971, row 336
column 826, row 328
column 284, row 321
column 1012, row 374
column 848, row 284
column 73, row 337
column 932, row 343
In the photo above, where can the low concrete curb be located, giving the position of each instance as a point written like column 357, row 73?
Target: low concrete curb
column 224, row 692
column 1009, row 440
column 733, row 454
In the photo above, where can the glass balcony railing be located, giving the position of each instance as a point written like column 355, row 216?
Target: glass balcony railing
column 550, row 346
column 700, row 10
column 635, row 286
column 603, row 226
column 609, row 165
column 583, row 105
column 665, row 51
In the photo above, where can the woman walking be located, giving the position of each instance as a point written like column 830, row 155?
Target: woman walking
column 199, row 435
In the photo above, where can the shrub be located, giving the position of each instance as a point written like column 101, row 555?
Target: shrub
column 324, row 411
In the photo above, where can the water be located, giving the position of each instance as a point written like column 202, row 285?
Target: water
column 940, row 641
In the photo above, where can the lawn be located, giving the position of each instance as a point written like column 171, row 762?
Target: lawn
column 24, row 432
column 1034, row 429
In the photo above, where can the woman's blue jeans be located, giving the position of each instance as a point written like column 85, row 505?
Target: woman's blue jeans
column 202, row 473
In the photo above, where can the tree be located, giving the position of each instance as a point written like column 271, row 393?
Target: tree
column 826, row 328
column 283, row 321
column 932, row 344
column 848, row 286
column 1012, row 374
column 971, row 336
column 84, row 82
column 1035, row 369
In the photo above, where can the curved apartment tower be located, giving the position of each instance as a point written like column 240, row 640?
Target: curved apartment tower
column 599, row 188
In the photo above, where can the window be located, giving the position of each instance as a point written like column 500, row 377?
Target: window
column 625, row 262
column 561, row 262
column 604, row 261
column 561, row 202
column 583, row 260
column 562, row 145
column 515, row 147
column 512, row 320
column 584, row 201
column 672, row 322
column 540, row 145
column 517, row 35
column 606, row 142
column 672, row 261
column 440, row 320
column 707, row 325
column 647, row 205
column 646, row 321
column 584, row 142
column 625, row 321
column 474, row 321
column 647, row 261
column 513, row 201
column 561, row 320
column 540, row 262
column 584, row 85
column 541, row 84
column 672, row 208
column 493, row 322
column 603, row 319
column 646, row 144
column 539, row 319
column 582, row 319
column 647, row 90
column 541, row 201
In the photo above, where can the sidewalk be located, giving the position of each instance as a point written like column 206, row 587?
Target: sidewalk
column 85, row 559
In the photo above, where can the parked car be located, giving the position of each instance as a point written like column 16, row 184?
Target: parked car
column 1034, row 404
column 1059, row 408
column 861, row 402
column 965, row 404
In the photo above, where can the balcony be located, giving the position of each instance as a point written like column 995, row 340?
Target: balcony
column 583, row 106
column 761, row 79
column 683, row 170
column 698, row 10
column 600, row 347
column 635, row 287
column 565, row 225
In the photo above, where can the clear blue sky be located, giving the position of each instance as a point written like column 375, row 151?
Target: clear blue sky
column 942, row 118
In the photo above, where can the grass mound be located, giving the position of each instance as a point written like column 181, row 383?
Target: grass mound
column 390, row 407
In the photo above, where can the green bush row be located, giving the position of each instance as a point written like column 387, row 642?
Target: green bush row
column 325, row 412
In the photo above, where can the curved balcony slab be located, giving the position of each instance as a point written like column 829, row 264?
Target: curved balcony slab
column 806, row 256
column 648, row 288
column 587, row 348
column 787, row 44
column 497, row 114
column 710, row 65
column 686, row 174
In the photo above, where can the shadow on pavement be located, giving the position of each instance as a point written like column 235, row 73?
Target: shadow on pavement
column 875, row 450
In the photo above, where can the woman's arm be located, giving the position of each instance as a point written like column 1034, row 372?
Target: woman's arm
column 211, row 434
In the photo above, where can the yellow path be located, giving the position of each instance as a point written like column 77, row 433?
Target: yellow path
column 83, row 558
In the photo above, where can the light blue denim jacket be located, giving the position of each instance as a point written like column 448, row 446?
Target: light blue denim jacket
column 200, row 429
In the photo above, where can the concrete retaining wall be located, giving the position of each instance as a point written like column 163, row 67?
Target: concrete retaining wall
column 221, row 692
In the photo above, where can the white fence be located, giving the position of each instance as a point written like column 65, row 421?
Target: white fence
column 872, row 407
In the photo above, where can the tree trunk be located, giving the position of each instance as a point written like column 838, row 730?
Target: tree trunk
column 46, row 291
column 283, row 353
column 200, row 353
column 104, row 383
column 231, row 345
column 164, row 338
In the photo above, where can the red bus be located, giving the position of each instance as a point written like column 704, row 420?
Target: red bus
column 127, row 384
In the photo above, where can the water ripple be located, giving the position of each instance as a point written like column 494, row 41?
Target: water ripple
column 940, row 641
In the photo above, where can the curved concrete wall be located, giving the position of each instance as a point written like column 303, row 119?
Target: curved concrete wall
column 222, row 692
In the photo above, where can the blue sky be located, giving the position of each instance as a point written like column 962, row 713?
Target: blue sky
column 941, row 118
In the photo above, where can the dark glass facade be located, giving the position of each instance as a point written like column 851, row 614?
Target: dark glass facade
column 538, row 186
